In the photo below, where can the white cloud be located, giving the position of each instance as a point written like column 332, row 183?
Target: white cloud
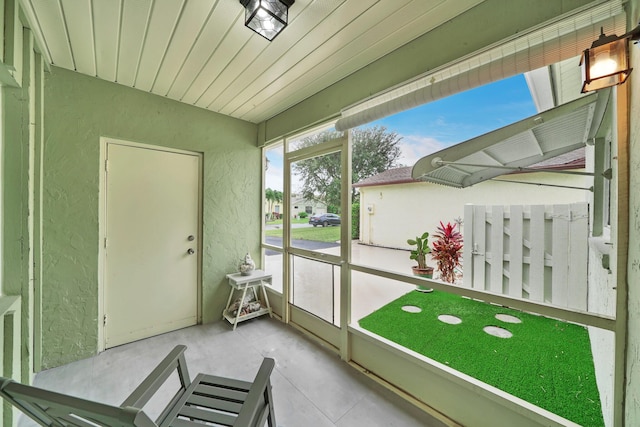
column 273, row 177
column 440, row 121
column 414, row 147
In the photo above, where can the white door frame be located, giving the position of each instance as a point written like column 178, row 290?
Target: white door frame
column 102, row 232
column 337, row 336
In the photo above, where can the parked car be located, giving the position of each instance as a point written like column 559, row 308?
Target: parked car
column 324, row 220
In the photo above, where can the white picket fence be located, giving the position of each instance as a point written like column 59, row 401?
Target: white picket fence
column 535, row 252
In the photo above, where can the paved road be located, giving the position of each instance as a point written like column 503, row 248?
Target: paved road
column 303, row 244
column 279, row 226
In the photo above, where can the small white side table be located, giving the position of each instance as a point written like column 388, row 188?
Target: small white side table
column 239, row 282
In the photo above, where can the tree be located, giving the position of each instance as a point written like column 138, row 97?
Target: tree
column 270, row 198
column 273, row 197
column 374, row 150
column 278, row 197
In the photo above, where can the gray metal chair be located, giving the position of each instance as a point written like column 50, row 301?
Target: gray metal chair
column 206, row 401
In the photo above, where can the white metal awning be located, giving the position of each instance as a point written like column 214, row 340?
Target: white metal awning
column 515, row 147
column 553, row 42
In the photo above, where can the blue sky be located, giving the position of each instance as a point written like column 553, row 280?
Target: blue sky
column 448, row 121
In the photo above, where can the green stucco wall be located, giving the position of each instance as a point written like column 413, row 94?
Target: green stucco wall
column 78, row 111
column 16, row 133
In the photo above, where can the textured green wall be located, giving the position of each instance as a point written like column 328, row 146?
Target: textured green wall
column 78, row 111
column 16, row 239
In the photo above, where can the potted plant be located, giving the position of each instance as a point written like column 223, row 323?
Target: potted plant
column 447, row 251
column 419, row 254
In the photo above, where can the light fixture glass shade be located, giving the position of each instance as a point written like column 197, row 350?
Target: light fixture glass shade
column 266, row 17
column 605, row 65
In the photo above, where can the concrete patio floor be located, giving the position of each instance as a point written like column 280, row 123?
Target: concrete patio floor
column 311, row 385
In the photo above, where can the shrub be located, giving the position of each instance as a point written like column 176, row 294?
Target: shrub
column 355, row 221
column 302, row 215
column 419, row 254
column 447, row 251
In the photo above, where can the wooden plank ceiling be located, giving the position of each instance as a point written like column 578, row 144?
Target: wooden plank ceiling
column 199, row 52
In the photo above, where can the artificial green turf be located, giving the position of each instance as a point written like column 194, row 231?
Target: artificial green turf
column 546, row 362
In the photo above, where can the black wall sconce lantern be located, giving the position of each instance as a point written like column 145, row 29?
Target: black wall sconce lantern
column 266, row 17
column 606, row 62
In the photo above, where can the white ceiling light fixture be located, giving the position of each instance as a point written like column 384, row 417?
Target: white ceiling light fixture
column 266, row 17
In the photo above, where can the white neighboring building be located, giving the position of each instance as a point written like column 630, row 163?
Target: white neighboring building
column 299, row 204
column 395, row 207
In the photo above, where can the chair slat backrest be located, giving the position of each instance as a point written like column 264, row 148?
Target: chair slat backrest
column 49, row 408
column 258, row 406
column 173, row 362
column 212, row 399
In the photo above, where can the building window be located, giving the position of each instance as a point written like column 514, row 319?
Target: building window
column 602, row 186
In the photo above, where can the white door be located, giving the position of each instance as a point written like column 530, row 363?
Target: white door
column 151, row 264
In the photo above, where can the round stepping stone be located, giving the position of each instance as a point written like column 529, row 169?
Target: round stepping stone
column 508, row 318
column 497, row 332
column 447, row 318
column 411, row 309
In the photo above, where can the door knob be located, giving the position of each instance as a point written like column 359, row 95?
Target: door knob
column 191, row 251
column 191, row 238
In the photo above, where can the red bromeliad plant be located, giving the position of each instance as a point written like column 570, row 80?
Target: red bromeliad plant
column 447, row 250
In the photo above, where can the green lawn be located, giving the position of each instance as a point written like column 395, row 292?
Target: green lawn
column 293, row 221
column 546, row 362
column 318, row 234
